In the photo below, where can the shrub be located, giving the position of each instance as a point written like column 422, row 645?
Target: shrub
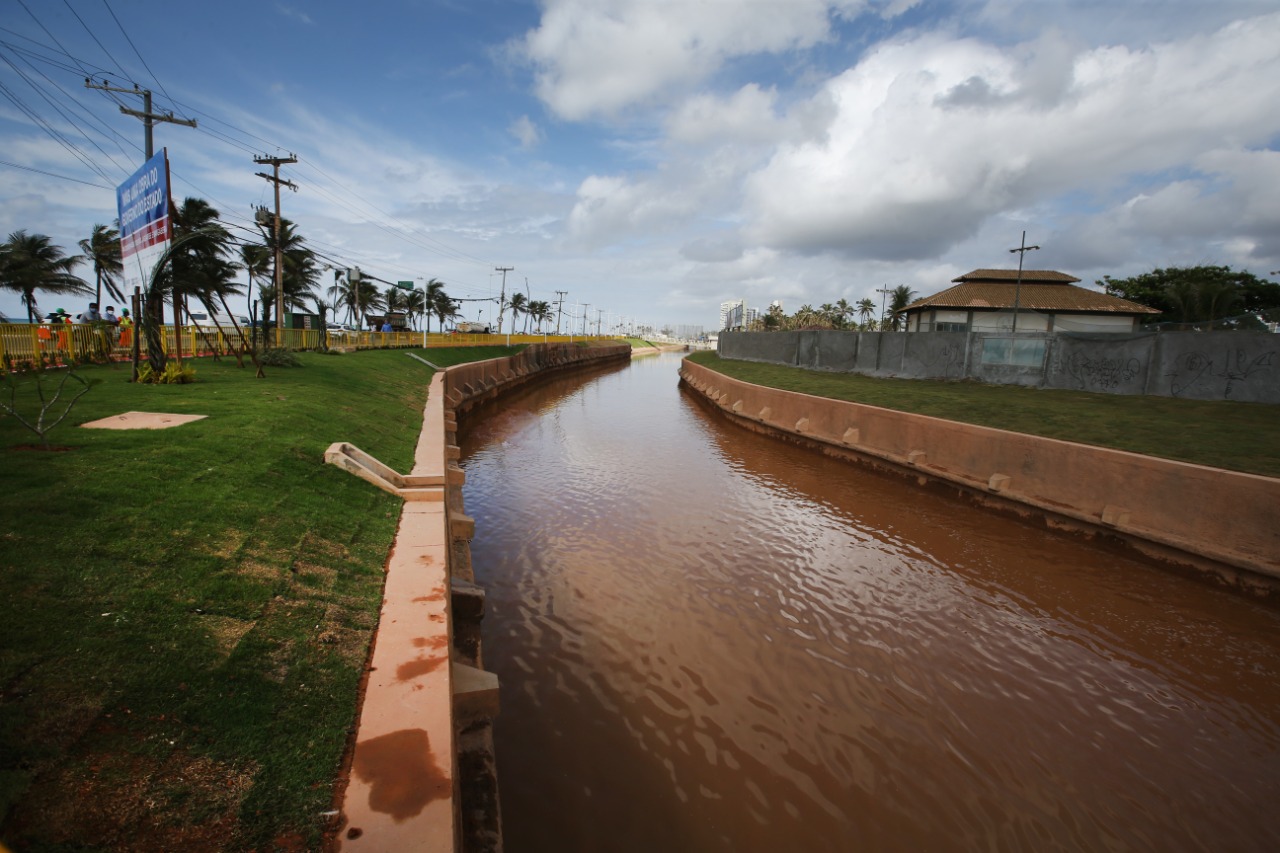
column 174, row 373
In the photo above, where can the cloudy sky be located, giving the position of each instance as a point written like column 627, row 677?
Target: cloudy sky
column 654, row 158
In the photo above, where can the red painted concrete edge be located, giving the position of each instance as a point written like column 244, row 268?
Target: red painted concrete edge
column 1211, row 514
column 401, row 794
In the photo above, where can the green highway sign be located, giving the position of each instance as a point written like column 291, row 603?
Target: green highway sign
column 404, row 285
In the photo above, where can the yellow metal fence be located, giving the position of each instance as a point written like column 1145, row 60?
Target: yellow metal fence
column 61, row 343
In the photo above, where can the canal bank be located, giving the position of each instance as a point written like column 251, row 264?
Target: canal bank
column 421, row 774
column 1222, row 522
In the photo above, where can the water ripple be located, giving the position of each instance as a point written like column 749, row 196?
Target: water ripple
column 709, row 640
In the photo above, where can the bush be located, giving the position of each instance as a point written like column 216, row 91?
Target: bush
column 278, row 357
column 174, row 373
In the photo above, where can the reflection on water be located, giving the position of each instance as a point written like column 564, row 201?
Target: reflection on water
column 711, row 640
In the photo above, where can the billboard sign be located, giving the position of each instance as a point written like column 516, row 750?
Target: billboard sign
column 145, row 227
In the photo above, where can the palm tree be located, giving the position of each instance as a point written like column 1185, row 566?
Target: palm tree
column 866, row 309
column 899, row 299
column 517, row 303
column 102, row 249
column 415, row 302
column 443, row 307
column 31, row 262
column 845, row 311
column 198, row 265
column 394, row 299
column 432, row 291
column 539, row 312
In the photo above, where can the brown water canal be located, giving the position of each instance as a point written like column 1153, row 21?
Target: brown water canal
column 710, row 640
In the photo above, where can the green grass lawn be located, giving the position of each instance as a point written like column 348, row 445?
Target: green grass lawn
column 185, row 613
column 1237, row 436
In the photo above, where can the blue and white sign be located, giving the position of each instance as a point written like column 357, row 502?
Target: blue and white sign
column 145, row 227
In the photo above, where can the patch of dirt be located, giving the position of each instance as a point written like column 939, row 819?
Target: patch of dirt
column 227, row 631
column 120, row 801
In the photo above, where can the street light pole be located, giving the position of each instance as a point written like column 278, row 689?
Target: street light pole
column 883, row 291
column 1022, row 250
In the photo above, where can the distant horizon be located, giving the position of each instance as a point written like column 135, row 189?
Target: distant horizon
column 654, row 159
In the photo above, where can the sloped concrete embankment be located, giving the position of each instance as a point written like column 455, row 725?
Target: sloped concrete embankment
column 1209, row 519
column 422, row 774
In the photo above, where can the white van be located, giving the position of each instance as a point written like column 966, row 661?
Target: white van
column 201, row 318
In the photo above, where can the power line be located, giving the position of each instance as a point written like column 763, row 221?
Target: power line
column 119, row 67
column 138, row 53
column 53, row 175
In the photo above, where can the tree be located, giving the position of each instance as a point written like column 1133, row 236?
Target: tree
column 395, row 299
column 199, row 265
column 517, row 303
column 102, row 249
column 539, row 312
column 31, row 262
column 1200, row 294
column 899, row 298
column 443, row 307
column 844, row 311
column 866, row 310
column 431, row 291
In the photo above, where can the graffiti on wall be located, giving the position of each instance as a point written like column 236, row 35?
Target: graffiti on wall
column 1102, row 374
column 1236, row 366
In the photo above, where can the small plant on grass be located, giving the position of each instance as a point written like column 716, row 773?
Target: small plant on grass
column 52, row 408
column 279, row 357
column 174, row 373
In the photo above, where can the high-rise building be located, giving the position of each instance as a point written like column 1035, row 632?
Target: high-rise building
column 731, row 314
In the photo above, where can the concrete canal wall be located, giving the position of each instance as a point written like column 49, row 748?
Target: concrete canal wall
column 1243, row 366
column 422, row 774
column 1206, row 518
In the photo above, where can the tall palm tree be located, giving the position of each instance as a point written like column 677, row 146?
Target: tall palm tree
column 517, row 303
column 866, row 309
column 199, row 265
column 539, row 312
column 900, row 297
column 443, row 307
column 844, row 311
column 102, row 249
column 394, row 299
column 256, row 260
column 415, row 303
column 31, row 262
column 432, row 292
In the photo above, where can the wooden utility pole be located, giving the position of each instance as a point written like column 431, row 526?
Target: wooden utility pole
column 149, row 118
column 1022, row 250
column 274, row 178
column 560, row 308
column 155, row 313
column 502, row 300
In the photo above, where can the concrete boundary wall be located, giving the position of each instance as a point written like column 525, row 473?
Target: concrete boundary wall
column 1241, row 366
column 1206, row 518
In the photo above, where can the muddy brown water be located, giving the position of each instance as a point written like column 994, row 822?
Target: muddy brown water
column 712, row 640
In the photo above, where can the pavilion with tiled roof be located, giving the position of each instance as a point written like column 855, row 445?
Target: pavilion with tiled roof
column 1046, row 301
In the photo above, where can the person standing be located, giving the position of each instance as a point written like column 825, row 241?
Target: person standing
column 126, row 328
column 111, row 317
column 92, row 315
